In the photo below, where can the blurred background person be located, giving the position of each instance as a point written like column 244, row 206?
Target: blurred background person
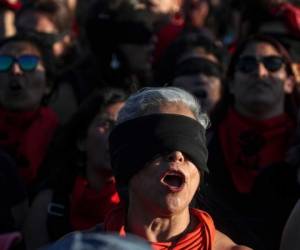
column 7, row 17
column 252, row 132
column 77, row 186
column 27, row 124
column 122, row 42
column 52, row 20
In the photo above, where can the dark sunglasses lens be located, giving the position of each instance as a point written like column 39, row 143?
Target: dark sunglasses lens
column 28, row 62
column 5, row 63
column 273, row 63
column 247, row 64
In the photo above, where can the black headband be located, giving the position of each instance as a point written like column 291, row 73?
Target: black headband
column 135, row 142
column 198, row 65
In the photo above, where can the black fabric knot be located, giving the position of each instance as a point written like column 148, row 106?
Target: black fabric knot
column 251, row 144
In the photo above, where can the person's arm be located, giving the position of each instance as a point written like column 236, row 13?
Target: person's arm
column 223, row 242
column 291, row 233
column 19, row 213
column 35, row 231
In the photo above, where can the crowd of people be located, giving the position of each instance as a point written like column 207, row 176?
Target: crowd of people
column 150, row 124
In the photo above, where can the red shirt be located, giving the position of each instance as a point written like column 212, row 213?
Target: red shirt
column 200, row 238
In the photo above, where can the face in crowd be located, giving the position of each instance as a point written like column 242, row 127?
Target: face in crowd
column 204, row 82
column 33, row 20
column 97, row 138
column 260, row 80
column 22, row 76
column 163, row 6
column 167, row 184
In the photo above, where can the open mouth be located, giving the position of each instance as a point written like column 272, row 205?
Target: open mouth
column 173, row 180
column 15, row 86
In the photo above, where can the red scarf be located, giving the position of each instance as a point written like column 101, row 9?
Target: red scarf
column 290, row 15
column 166, row 35
column 249, row 146
column 26, row 135
column 88, row 206
column 11, row 5
column 201, row 238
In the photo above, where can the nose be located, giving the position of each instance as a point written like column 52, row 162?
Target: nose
column 261, row 70
column 16, row 70
column 175, row 156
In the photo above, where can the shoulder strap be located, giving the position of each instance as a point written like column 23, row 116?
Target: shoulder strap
column 58, row 215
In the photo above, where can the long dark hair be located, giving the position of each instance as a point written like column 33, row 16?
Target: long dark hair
column 64, row 160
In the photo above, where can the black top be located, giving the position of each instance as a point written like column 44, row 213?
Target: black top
column 255, row 219
column 12, row 191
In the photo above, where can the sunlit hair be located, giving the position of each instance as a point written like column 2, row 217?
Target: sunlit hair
column 148, row 99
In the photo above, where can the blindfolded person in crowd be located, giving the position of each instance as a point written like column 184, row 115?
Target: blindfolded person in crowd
column 158, row 156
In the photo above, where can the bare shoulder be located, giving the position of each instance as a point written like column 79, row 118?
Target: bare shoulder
column 223, row 242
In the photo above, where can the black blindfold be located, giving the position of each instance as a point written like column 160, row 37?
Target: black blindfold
column 136, row 142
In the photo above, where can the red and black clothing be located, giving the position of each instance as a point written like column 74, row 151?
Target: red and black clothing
column 201, row 238
column 81, row 208
column 26, row 136
column 250, row 188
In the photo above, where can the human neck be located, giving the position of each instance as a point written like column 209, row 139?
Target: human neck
column 158, row 228
column 260, row 114
column 95, row 179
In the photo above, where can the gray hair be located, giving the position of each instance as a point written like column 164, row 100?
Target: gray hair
column 148, row 98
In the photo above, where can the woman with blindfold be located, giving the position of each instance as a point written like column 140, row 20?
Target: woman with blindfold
column 158, row 156
column 252, row 133
column 26, row 123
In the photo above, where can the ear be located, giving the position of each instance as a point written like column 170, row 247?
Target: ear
column 289, row 85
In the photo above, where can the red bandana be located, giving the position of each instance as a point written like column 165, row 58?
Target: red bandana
column 26, row 135
column 290, row 14
column 250, row 146
column 88, row 206
column 13, row 5
column 201, row 238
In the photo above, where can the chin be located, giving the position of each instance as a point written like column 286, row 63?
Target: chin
column 175, row 205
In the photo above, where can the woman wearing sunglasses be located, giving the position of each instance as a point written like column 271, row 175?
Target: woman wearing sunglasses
column 26, row 123
column 249, row 182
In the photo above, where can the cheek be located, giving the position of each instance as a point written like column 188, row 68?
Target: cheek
column 282, row 75
column 194, row 181
column 38, row 80
column 3, row 79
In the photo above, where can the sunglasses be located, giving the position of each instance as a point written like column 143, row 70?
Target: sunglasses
column 26, row 63
column 248, row 64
